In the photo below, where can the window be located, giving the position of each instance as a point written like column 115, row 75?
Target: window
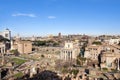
column 94, row 49
column 6, row 35
column 25, row 45
column 68, row 46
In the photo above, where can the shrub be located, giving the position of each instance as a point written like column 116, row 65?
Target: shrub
column 18, row 75
column 75, row 72
column 97, row 43
column 104, row 69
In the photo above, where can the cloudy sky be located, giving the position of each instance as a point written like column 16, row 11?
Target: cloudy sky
column 42, row 17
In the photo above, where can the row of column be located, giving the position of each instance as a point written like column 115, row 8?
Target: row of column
column 66, row 55
column 2, row 49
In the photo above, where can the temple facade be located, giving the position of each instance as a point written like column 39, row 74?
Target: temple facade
column 70, row 51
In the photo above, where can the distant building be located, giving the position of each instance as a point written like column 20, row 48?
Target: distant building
column 70, row 51
column 59, row 35
column 110, row 57
column 6, row 34
column 23, row 47
column 93, row 51
column 114, row 41
column 110, row 60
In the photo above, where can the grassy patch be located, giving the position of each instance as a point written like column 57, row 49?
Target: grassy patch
column 18, row 61
column 18, row 75
column 75, row 72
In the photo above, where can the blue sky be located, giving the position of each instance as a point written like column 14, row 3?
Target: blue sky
column 42, row 17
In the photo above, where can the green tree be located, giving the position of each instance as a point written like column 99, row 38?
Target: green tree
column 105, row 69
column 97, row 43
column 80, row 60
column 55, row 44
column 42, row 56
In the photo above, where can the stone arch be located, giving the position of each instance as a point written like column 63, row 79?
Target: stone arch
column 116, row 63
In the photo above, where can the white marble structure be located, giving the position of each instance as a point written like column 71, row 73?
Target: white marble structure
column 2, row 48
column 70, row 51
column 114, row 41
column 6, row 34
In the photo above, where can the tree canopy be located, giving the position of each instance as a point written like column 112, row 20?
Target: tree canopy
column 97, row 43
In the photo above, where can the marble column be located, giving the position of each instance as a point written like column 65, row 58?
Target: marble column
column 1, row 50
column 0, row 73
column 70, row 55
column 65, row 55
column 4, row 49
column 61, row 54
column 118, row 65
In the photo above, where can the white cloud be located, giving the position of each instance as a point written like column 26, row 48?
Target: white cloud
column 51, row 17
column 23, row 14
